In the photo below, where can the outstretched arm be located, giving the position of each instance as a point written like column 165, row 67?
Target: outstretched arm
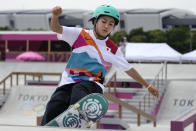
column 136, row 76
column 55, row 26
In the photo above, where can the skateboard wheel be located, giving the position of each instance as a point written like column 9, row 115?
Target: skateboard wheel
column 76, row 106
column 90, row 123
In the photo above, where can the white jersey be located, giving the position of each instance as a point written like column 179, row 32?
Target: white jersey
column 90, row 57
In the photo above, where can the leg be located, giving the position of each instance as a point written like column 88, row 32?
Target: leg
column 82, row 89
column 58, row 103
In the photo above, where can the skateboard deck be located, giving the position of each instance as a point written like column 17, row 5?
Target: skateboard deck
column 83, row 114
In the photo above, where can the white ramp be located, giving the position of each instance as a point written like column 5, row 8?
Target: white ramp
column 180, row 96
column 44, row 128
column 24, row 104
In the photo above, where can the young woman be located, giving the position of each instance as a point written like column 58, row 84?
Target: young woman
column 92, row 52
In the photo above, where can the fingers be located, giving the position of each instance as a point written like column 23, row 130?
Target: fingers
column 57, row 11
column 154, row 92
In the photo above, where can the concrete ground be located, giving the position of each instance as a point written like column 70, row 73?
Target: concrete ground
column 181, row 77
column 133, row 128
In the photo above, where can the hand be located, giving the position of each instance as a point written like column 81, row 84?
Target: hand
column 154, row 91
column 56, row 11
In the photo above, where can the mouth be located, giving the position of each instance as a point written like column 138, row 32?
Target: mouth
column 105, row 31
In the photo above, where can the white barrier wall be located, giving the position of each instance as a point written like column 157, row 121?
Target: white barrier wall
column 180, row 97
column 24, row 104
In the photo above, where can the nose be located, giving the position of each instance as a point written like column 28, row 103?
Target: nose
column 106, row 25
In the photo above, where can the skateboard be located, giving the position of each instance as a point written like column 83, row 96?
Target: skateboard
column 83, row 114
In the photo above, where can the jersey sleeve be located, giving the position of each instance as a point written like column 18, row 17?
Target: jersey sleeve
column 120, row 61
column 70, row 34
column 117, row 57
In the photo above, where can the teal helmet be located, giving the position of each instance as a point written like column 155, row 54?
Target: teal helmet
column 106, row 10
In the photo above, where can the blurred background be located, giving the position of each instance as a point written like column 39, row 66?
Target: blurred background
column 164, row 21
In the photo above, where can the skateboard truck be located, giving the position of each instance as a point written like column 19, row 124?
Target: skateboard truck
column 84, row 115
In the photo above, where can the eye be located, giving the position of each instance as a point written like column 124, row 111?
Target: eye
column 103, row 21
column 111, row 24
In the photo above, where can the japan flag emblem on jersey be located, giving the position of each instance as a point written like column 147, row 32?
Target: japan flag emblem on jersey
column 108, row 49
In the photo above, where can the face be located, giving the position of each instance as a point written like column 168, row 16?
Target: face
column 104, row 26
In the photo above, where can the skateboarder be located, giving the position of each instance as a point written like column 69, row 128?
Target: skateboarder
column 92, row 52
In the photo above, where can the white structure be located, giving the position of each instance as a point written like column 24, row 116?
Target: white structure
column 7, row 18
column 148, row 19
column 151, row 52
column 21, row 20
column 190, row 56
column 33, row 20
column 38, row 19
